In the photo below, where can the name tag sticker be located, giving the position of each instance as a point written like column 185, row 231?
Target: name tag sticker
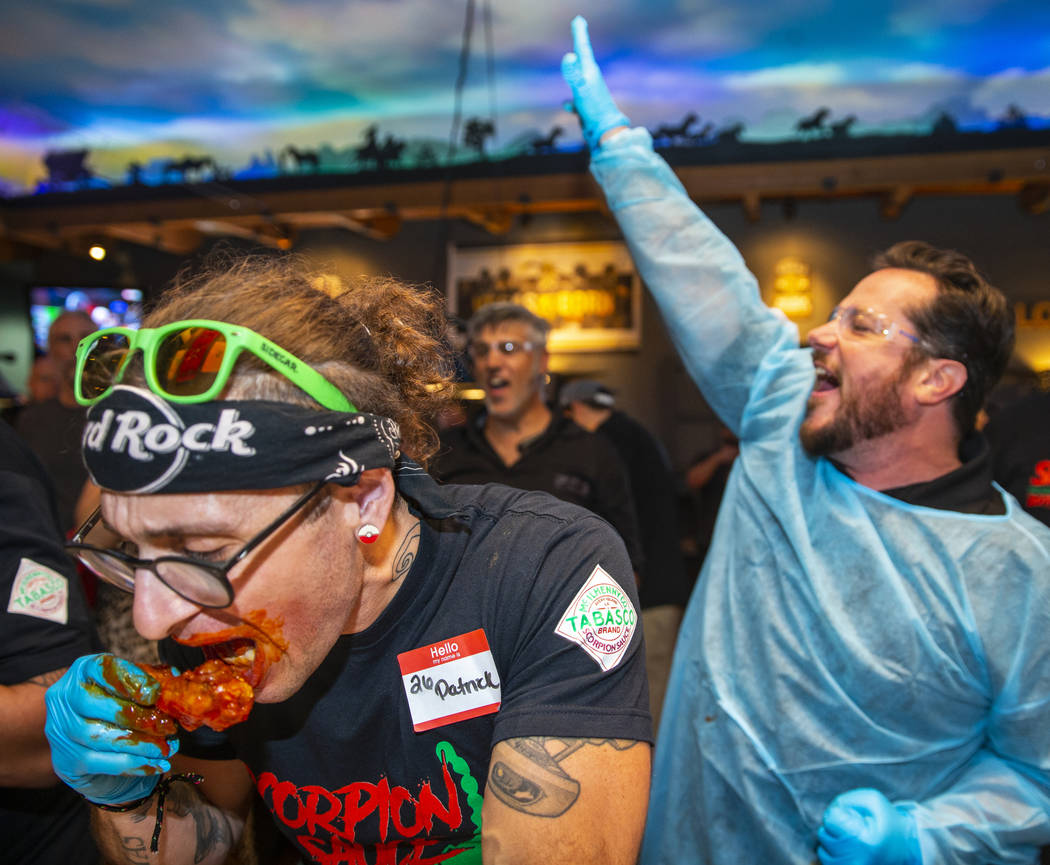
column 450, row 681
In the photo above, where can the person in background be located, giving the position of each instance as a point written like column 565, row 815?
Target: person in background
column 519, row 440
column 45, row 627
column 417, row 673
column 663, row 585
column 45, row 379
column 706, row 481
column 861, row 676
column 1018, row 436
column 53, row 426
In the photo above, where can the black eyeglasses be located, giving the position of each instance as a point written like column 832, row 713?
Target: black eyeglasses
column 479, row 349
column 200, row 582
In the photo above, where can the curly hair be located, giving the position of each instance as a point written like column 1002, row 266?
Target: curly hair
column 969, row 320
column 380, row 341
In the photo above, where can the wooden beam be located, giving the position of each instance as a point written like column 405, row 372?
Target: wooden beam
column 495, row 220
column 1034, row 198
column 752, row 204
column 174, row 218
column 894, row 201
column 230, row 228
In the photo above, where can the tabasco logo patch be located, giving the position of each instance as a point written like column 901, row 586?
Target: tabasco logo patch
column 450, row 681
column 39, row 591
column 601, row 619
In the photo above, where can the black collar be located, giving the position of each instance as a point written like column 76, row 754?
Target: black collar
column 967, row 489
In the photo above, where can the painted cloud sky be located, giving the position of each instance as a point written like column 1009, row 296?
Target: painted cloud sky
column 135, row 80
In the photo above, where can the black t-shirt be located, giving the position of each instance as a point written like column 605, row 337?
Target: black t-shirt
column 564, row 460
column 663, row 576
column 44, row 626
column 342, row 765
column 54, row 431
column 1019, row 435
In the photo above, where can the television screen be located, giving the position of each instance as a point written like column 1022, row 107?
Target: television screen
column 108, row 307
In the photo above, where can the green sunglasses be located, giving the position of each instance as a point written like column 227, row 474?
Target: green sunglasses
column 189, row 362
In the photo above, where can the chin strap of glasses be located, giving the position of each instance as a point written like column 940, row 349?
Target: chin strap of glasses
column 137, row 442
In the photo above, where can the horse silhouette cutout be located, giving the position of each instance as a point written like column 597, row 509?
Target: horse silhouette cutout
column 813, row 122
column 702, row 136
column 676, row 132
column 188, row 169
column 303, row 159
column 545, row 143
column 729, row 134
column 379, row 155
column 841, row 128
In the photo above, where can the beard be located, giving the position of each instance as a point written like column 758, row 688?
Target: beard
column 859, row 418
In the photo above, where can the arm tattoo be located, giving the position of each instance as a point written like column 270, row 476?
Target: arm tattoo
column 46, row 680
column 213, row 827
column 135, row 849
column 529, row 778
column 406, row 553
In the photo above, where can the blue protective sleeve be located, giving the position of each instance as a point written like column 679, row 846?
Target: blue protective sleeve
column 709, row 300
column 994, row 812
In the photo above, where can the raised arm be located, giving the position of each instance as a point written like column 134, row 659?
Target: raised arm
column 709, row 300
column 565, row 800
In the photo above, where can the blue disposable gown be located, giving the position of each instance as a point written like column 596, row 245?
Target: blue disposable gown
column 838, row 638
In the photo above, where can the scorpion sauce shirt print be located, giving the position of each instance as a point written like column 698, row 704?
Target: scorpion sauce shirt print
column 383, row 756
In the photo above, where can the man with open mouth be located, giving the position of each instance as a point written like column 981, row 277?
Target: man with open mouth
column 861, row 676
column 519, row 439
column 398, row 671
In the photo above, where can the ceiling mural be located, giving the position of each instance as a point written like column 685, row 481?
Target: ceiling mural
column 100, row 93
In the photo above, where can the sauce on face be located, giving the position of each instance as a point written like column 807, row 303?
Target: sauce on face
column 219, row 693
column 256, row 631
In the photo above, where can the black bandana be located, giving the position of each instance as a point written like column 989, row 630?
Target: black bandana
column 137, row 442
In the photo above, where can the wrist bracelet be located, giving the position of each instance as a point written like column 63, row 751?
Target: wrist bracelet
column 162, row 790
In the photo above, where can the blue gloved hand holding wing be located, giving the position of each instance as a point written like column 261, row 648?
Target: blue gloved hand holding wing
column 107, row 743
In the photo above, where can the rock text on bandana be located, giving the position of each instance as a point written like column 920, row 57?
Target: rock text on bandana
column 135, row 433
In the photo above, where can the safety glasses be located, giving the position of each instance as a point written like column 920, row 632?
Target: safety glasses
column 189, row 362
column 868, row 323
column 479, row 349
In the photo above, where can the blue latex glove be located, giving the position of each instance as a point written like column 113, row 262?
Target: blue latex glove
column 863, row 827
column 106, row 743
column 590, row 97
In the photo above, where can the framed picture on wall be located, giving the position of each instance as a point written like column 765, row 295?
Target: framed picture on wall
column 589, row 292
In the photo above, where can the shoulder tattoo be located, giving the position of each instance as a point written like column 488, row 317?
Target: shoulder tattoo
column 529, row 778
